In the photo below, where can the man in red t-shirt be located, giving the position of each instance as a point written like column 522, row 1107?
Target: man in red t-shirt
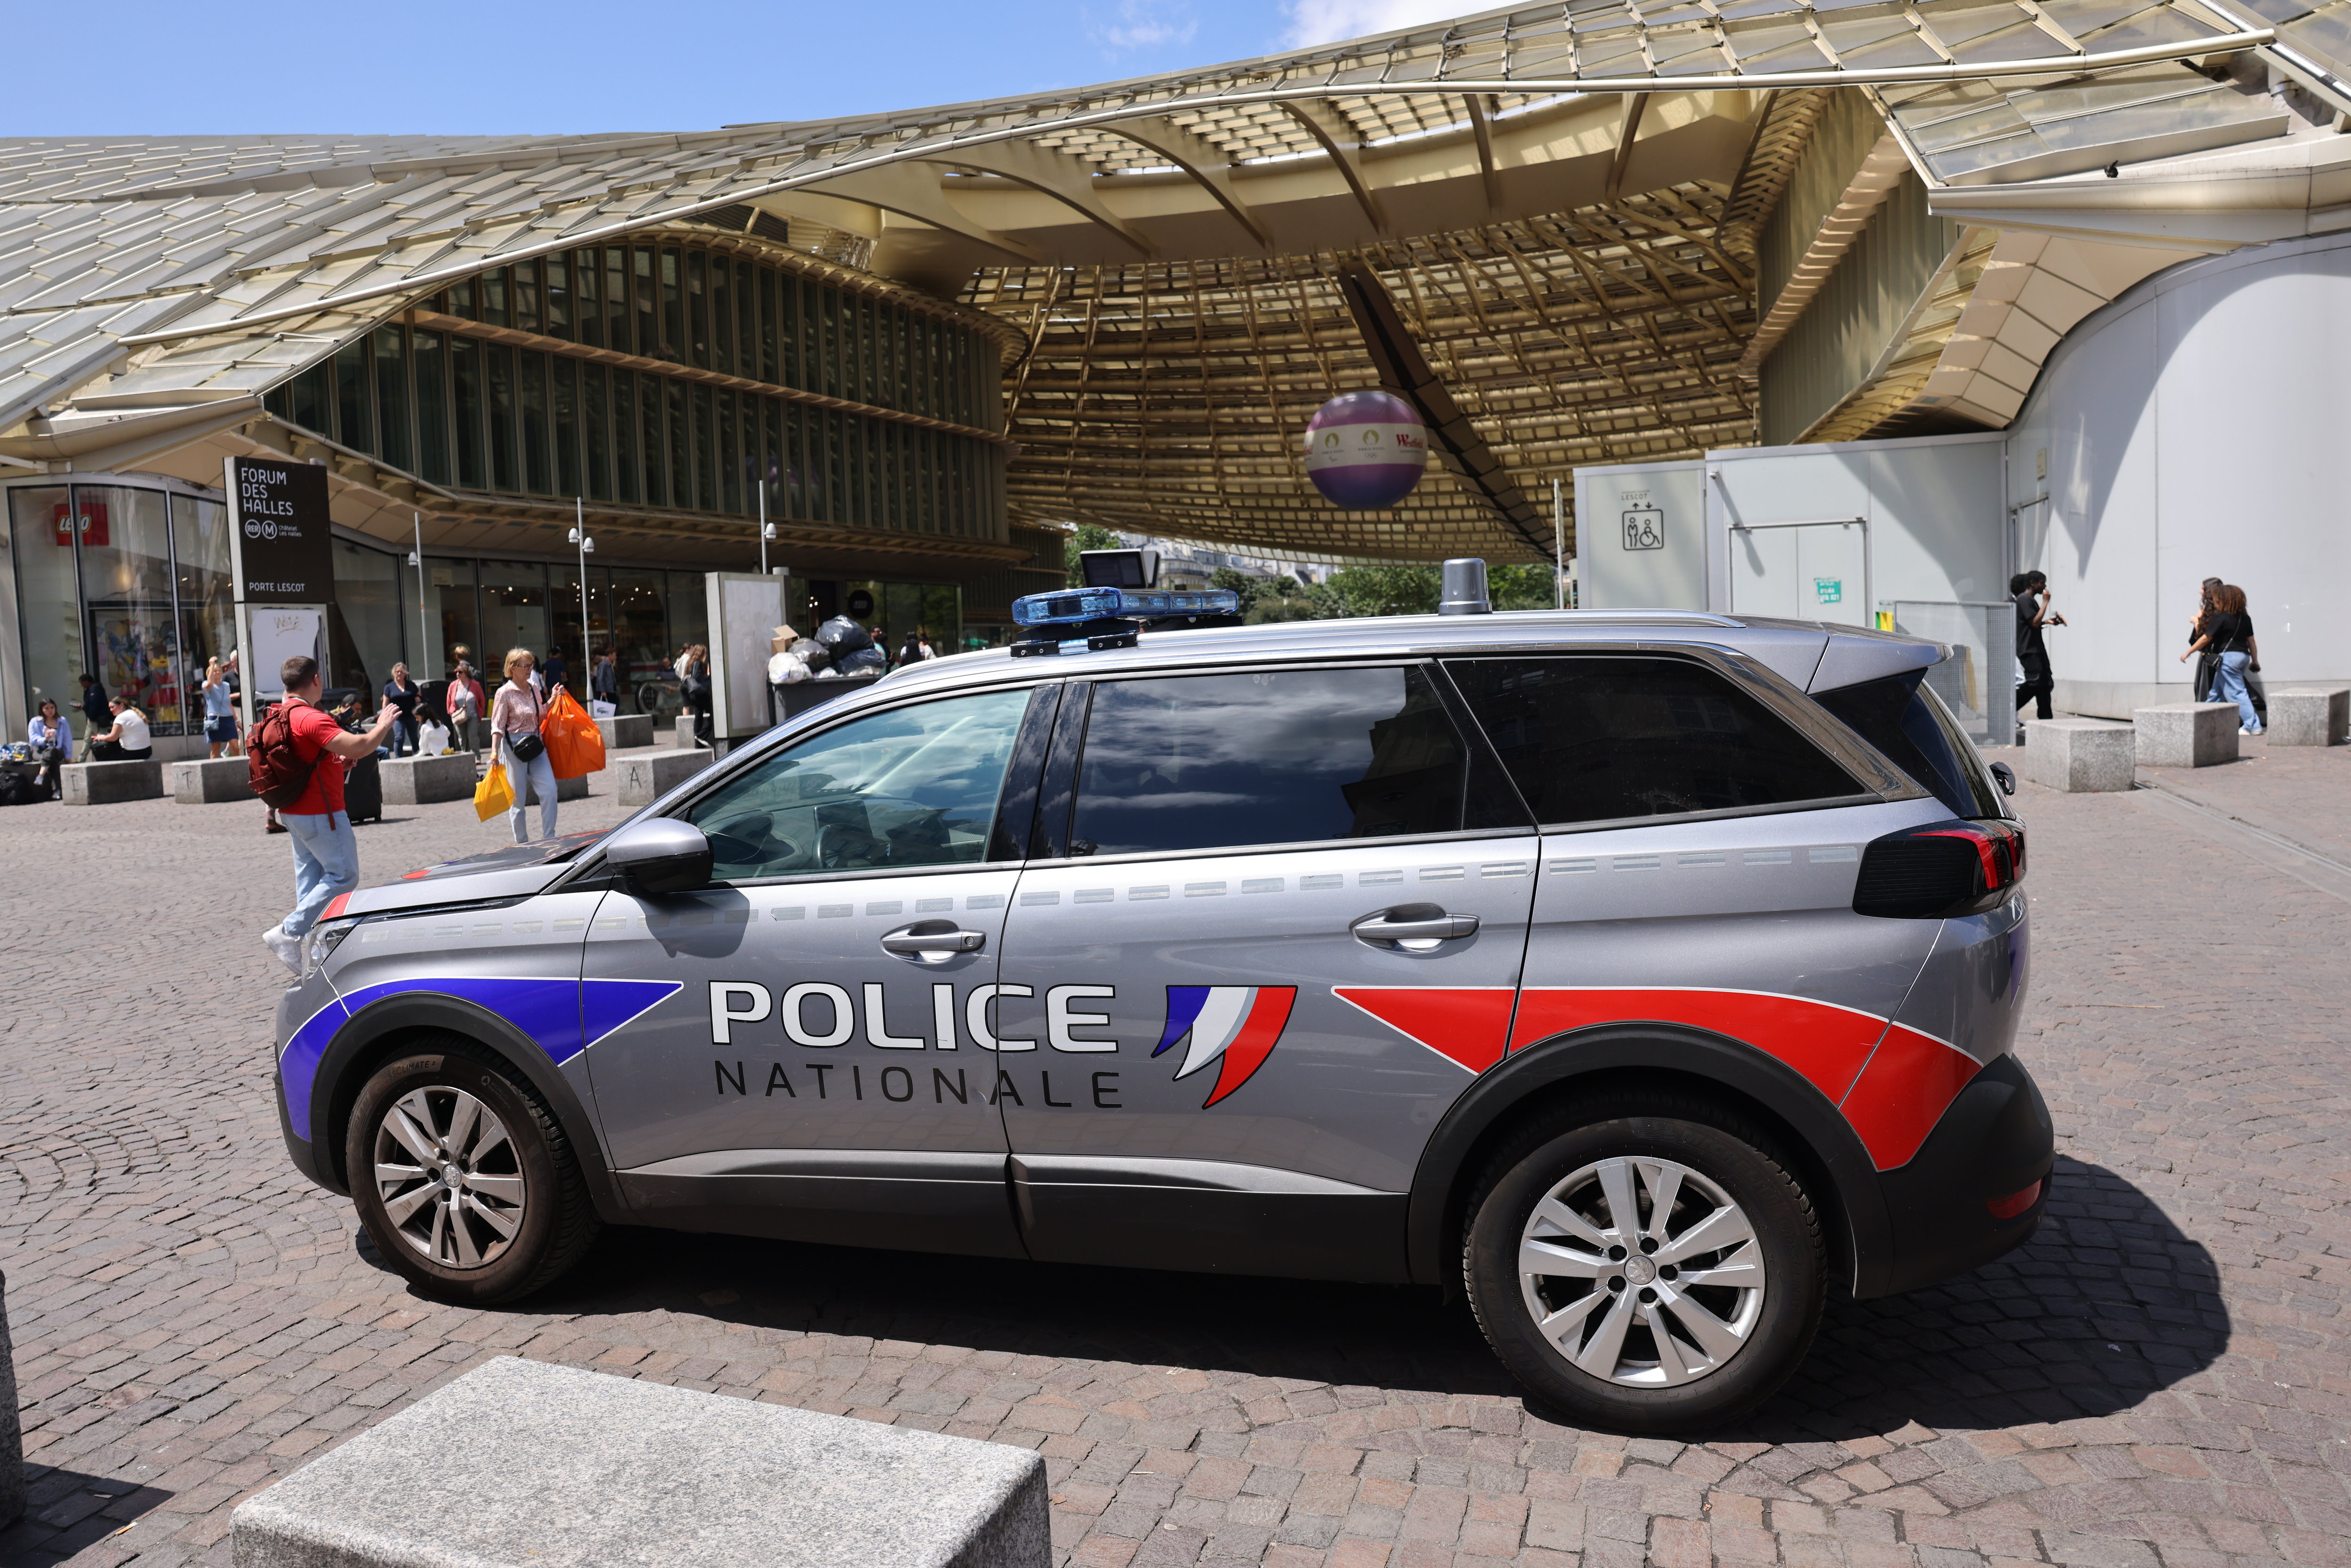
column 326, row 850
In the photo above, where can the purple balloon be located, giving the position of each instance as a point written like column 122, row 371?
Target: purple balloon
column 1365, row 450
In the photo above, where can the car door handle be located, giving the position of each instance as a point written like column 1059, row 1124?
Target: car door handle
column 931, row 941
column 1415, row 927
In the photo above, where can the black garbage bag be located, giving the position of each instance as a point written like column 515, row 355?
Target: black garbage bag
column 842, row 635
column 866, row 661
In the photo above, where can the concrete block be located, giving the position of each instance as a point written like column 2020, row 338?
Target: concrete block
column 2186, row 735
column 104, row 783
column 648, row 776
column 209, row 780
column 2309, row 718
column 683, row 728
column 626, row 732
column 421, row 780
column 2078, row 755
column 12, row 1434
column 521, row 1464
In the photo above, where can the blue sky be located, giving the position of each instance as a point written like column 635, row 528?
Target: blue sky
column 593, row 65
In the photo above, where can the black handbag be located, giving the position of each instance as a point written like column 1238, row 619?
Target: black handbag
column 532, row 747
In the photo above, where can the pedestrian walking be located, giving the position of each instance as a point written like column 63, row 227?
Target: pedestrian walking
column 2035, row 681
column 220, row 710
column 604, row 680
column 466, row 700
column 402, row 693
column 2229, row 633
column 695, row 673
column 556, row 672
column 914, row 650
column 93, row 704
column 2207, row 662
column 326, row 850
column 128, row 740
column 52, row 742
column 515, row 714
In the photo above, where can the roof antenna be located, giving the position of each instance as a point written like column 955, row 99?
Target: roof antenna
column 1464, row 589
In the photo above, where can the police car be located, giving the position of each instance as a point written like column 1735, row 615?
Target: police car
column 1640, row 975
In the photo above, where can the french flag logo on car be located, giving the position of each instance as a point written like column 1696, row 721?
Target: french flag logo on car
column 1235, row 1027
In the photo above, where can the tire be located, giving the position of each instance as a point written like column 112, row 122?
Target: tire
column 522, row 1215
column 1554, row 1189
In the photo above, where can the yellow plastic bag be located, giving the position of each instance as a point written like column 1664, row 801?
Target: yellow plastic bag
column 492, row 794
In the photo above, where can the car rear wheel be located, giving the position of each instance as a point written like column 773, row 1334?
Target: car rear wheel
column 464, row 1177
column 1647, row 1265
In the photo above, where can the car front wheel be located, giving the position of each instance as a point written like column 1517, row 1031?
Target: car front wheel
column 463, row 1178
column 1647, row 1265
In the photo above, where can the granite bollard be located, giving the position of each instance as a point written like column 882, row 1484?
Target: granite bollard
column 2078, row 755
column 647, row 776
column 2186, row 735
column 521, row 1464
column 2309, row 718
column 627, row 731
column 106, row 783
column 421, row 780
column 211, row 780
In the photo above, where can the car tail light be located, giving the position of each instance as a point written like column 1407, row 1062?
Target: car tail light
column 1940, row 869
column 2015, row 1203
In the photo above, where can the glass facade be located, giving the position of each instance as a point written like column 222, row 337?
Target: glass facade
column 546, row 420
column 132, row 584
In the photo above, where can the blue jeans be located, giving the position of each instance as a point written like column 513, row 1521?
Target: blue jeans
column 522, row 778
column 403, row 737
column 2228, row 686
column 325, row 863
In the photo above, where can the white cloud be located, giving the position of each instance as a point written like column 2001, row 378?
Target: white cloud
column 1314, row 22
column 1144, row 24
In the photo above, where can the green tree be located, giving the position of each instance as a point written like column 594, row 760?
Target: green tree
column 1385, row 590
column 1521, row 587
column 1088, row 536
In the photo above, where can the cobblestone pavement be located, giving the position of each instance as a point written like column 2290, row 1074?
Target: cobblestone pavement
column 2161, row 1377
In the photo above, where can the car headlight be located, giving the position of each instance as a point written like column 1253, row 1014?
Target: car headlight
column 323, row 939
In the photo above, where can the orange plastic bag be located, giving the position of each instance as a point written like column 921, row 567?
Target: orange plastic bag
column 575, row 746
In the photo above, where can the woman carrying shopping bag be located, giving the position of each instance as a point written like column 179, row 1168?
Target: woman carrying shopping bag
column 515, row 714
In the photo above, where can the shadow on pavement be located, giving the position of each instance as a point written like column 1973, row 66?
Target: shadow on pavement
column 2107, row 1304
column 66, row 1510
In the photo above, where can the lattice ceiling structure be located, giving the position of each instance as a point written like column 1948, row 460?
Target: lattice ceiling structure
column 1539, row 223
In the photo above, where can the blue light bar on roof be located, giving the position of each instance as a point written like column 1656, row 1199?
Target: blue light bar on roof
column 1076, row 605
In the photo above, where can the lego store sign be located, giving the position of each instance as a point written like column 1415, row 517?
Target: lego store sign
column 88, row 518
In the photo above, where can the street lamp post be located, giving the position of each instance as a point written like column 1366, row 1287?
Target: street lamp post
column 424, row 620
column 587, row 547
column 767, row 528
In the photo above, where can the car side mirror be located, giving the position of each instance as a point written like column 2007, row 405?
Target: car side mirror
column 2006, row 776
column 659, row 854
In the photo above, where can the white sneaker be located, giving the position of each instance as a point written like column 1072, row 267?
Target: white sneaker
column 287, row 948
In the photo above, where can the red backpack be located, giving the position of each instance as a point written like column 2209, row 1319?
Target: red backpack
column 273, row 765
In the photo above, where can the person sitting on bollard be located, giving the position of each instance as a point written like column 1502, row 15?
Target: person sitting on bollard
column 128, row 741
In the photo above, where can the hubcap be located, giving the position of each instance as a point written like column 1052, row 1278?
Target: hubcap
column 1643, row 1272
column 449, row 1178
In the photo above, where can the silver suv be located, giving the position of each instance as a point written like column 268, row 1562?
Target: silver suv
column 1637, row 973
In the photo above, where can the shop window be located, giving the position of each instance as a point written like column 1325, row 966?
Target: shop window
column 368, row 603
column 391, row 395
column 429, row 361
column 471, row 403
column 449, row 605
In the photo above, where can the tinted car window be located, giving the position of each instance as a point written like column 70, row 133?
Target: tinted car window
column 912, row 786
column 1907, row 721
column 1594, row 739
column 1264, row 757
